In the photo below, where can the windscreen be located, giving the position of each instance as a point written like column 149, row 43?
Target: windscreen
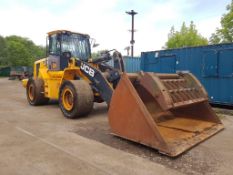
column 77, row 44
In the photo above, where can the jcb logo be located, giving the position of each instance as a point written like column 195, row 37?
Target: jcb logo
column 88, row 69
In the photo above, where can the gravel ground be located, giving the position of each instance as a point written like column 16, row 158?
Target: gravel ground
column 213, row 156
column 198, row 160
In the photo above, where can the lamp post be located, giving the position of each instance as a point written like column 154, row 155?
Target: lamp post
column 132, row 13
column 127, row 49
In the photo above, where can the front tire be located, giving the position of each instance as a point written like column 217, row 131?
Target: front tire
column 76, row 98
column 35, row 92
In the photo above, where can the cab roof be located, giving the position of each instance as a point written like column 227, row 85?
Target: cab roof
column 64, row 31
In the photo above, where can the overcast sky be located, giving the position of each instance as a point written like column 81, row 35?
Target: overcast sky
column 106, row 21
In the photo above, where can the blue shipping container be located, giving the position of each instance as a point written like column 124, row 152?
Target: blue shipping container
column 212, row 65
column 132, row 64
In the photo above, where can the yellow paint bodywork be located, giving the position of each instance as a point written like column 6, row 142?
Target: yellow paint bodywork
column 67, row 99
column 53, row 79
column 24, row 82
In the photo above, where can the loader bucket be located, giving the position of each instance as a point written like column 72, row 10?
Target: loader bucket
column 168, row 112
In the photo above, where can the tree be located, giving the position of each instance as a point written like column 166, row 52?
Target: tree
column 19, row 51
column 2, row 51
column 215, row 38
column 18, row 55
column 225, row 33
column 97, row 54
column 187, row 36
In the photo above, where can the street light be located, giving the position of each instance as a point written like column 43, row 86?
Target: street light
column 127, row 49
column 132, row 13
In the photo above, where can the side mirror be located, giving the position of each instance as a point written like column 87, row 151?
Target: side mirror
column 93, row 42
column 95, row 45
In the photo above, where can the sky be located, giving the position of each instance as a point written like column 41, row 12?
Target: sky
column 107, row 22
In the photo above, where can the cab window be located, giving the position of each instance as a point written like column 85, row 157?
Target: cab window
column 54, row 45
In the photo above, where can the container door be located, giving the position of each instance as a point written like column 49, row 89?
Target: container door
column 167, row 63
column 226, row 63
column 210, row 64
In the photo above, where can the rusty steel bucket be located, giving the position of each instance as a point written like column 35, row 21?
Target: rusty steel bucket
column 168, row 112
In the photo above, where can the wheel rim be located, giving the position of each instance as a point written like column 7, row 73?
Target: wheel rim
column 31, row 92
column 67, row 99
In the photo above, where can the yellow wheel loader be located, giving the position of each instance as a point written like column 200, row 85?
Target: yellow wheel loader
column 168, row 112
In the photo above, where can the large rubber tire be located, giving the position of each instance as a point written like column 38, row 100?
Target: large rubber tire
column 76, row 98
column 35, row 92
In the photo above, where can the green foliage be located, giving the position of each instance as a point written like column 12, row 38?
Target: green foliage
column 2, row 51
column 97, row 54
column 215, row 38
column 19, row 51
column 225, row 33
column 187, row 36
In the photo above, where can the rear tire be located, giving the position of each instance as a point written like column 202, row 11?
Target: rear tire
column 35, row 92
column 76, row 98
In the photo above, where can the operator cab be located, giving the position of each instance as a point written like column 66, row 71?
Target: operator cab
column 63, row 44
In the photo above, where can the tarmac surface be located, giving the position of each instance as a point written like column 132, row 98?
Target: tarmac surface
column 39, row 140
